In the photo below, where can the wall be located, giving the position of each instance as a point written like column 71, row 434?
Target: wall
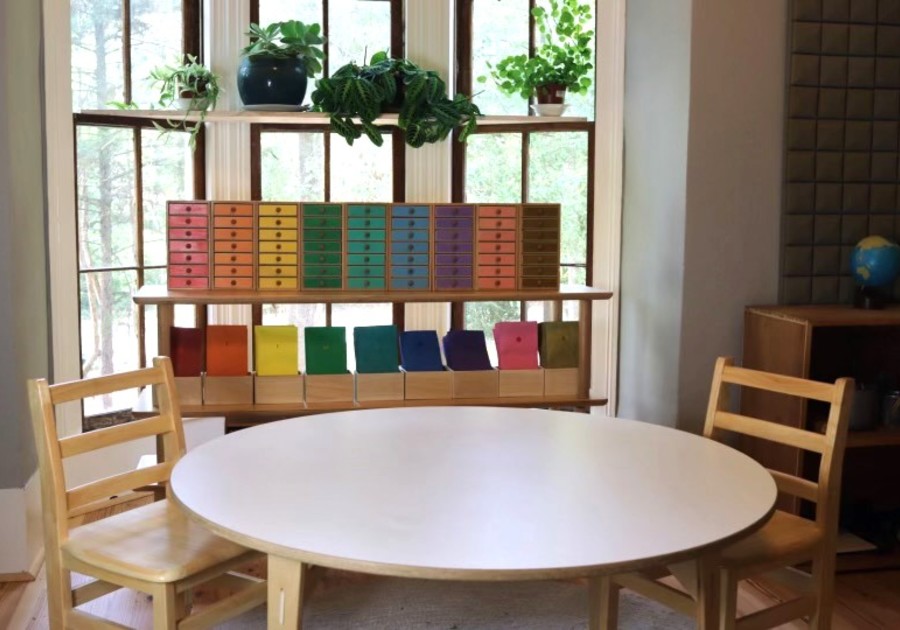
column 695, row 254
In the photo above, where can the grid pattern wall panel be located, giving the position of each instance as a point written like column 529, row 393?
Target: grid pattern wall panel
column 843, row 141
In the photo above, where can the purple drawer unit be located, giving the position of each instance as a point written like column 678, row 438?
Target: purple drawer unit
column 454, row 223
column 461, row 236
column 451, row 259
column 454, row 283
column 453, row 272
column 451, row 247
column 454, row 211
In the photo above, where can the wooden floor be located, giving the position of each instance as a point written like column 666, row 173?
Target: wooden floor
column 864, row 601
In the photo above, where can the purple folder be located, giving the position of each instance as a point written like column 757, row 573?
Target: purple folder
column 466, row 350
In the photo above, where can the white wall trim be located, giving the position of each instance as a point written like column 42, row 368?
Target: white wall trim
column 22, row 550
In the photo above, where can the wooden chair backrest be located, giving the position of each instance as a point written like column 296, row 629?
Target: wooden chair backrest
column 61, row 503
column 830, row 445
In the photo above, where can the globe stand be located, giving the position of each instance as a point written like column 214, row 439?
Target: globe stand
column 870, row 298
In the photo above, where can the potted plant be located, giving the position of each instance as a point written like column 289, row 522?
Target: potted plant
column 561, row 62
column 277, row 63
column 187, row 85
column 354, row 96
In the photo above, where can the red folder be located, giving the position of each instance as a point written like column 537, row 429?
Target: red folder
column 517, row 345
column 226, row 350
column 186, row 351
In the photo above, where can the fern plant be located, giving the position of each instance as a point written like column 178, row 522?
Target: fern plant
column 354, row 96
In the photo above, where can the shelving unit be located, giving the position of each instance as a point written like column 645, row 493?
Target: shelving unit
column 165, row 301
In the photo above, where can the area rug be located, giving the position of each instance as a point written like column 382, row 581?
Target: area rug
column 394, row 603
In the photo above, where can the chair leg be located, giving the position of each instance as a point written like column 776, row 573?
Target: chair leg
column 603, row 603
column 184, row 602
column 165, row 607
column 727, row 601
column 59, row 591
column 823, row 584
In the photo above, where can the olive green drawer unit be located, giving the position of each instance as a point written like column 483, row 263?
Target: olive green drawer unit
column 539, row 246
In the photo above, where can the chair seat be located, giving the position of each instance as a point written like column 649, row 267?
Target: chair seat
column 154, row 542
column 784, row 536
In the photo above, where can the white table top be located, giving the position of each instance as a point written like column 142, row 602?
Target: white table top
column 473, row 492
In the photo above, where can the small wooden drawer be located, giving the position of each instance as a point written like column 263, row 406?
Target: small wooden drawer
column 278, row 246
column 188, row 246
column 278, row 283
column 453, row 259
column 453, row 284
column 181, row 258
column 407, row 284
column 233, row 283
column 453, row 272
column 521, row 382
column 365, row 235
column 321, row 283
column 322, row 259
column 233, row 209
column 322, row 235
column 277, row 209
column 188, row 283
column 234, row 259
column 328, row 271
column 549, row 270
column 227, row 390
column 285, row 234
column 357, row 223
column 409, row 211
column 370, row 259
column 412, row 247
column 185, row 221
column 540, row 235
column 278, row 222
column 233, row 271
column 496, row 259
column 475, row 384
column 453, row 222
column 278, row 259
column 358, row 271
column 497, row 211
column 409, row 272
column 189, row 270
column 233, row 222
column 454, row 235
column 283, row 271
column 366, row 283
column 496, row 272
column 323, row 388
column 533, row 247
column 243, row 247
column 189, row 207
column 321, row 210
column 189, row 389
column 541, row 259
column 496, row 224
column 492, row 236
column 539, row 283
column 188, row 234
column 561, row 382
column 540, row 211
column 235, row 234
column 278, row 390
column 428, row 385
column 409, row 224
column 410, row 235
column 454, row 211
column 314, row 223
column 356, row 210
column 387, row 386
column 496, row 283
column 459, row 247
column 358, row 247
column 540, row 223
column 498, row 247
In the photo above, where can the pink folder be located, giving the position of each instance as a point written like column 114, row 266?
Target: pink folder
column 517, row 345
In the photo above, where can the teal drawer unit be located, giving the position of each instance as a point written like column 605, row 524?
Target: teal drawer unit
column 322, row 243
column 410, row 247
column 366, row 243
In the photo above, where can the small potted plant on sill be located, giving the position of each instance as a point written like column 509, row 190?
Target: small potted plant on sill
column 354, row 96
column 276, row 64
column 187, row 85
column 561, row 62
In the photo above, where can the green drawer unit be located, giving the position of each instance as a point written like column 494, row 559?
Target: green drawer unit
column 365, row 235
column 312, row 223
column 366, row 224
column 358, row 210
column 321, row 259
column 321, row 210
column 366, row 272
column 366, row 247
column 321, row 283
column 365, row 259
column 322, row 272
column 365, row 283
column 321, row 235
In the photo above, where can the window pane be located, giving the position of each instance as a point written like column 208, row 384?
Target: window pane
column 307, row 11
column 106, row 204
column 301, row 316
column 499, row 29
column 355, row 39
column 362, row 172
column 494, row 168
column 97, row 67
column 168, row 173
column 558, row 173
column 353, row 315
column 153, row 43
column 483, row 316
column 293, row 166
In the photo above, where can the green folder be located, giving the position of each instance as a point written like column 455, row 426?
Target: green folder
column 326, row 349
column 376, row 349
column 558, row 343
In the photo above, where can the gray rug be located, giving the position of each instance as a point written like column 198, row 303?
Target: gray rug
column 395, row 603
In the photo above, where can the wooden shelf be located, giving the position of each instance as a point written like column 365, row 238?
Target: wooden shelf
column 867, row 561
column 831, row 315
column 877, row 437
column 161, row 295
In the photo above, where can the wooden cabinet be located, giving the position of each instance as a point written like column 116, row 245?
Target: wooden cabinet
column 825, row 343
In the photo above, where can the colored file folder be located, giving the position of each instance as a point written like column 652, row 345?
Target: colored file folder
column 376, row 349
column 466, row 350
column 517, row 345
column 326, row 349
column 186, row 350
column 226, row 350
column 420, row 351
column 275, row 349
column 558, row 344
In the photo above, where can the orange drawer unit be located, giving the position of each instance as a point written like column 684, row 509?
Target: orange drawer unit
column 540, row 245
column 232, row 245
column 498, row 244
column 187, row 234
column 278, row 231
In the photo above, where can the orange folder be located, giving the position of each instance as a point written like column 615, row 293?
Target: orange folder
column 226, row 350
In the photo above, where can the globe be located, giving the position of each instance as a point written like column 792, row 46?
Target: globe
column 875, row 262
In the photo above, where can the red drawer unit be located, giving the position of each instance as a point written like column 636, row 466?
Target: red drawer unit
column 187, row 231
column 233, row 244
column 498, row 247
column 540, row 245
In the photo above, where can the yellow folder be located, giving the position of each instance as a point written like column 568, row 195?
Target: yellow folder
column 275, row 349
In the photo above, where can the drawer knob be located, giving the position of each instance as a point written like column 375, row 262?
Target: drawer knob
column 189, row 209
column 188, row 270
column 187, row 221
column 278, row 246
column 278, row 259
column 367, row 223
column 410, row 283
column 234, row 283
column 233, row 270
column 497, row 260
column 497, row 271
column 498, row 236
column 277, row 270
column 366, row 283
column 277, row 221
column 188, row 282
column 410, row 247
column 496, row 283
column 278, row 283
column 367, row 247
column 234, row 222
column 234, row 259
column 412, row 223
column 456, row 259
column 278, row 210
column 188, row 246
column 499, row 223
column 496, row 248
column 188, row 258
column 455, row 236
column 366, row 271
column 410, row 271
column 409, row 259
column 365, row 259
column 233, row 209
column 518, row 340
column 498, row 211
column 188, row 233
column 233, row 234
column 411, row 235
column 277, row 234
column 322, row 259
column 368, row 235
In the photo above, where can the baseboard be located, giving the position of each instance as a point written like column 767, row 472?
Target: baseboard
column 21, row 542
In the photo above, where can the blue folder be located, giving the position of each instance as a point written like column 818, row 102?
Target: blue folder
column 420, row 351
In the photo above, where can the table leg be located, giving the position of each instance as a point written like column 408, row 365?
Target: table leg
column 708, row 593
column 285, row 593
column 603, row 603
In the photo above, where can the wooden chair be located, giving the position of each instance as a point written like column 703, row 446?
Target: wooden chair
column 786, row 539
column 154, row 548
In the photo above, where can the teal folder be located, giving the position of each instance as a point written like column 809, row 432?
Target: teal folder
column 376, row 349
column 326, row 349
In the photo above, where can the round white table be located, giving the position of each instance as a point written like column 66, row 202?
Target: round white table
column 474, row 493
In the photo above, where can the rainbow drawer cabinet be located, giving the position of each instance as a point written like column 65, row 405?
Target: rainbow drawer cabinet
column 540, row 241
column 497, row 245
column 233, row 245
column 410, row 247
column 454, row 241
column 277, row 232
column 322, row 234
column 188, row 244
column 366, row 246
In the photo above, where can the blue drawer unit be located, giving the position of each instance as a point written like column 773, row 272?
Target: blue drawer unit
column 407, row 210
column 366, row 239
column 405, row 284
column 410, row 249
column 399, row 260
column 409, row 272
column 409, row 224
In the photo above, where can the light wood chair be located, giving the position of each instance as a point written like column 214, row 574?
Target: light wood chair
column 786, row 540
column 153, row 548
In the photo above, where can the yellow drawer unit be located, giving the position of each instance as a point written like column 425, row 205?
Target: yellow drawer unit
column 278, row 237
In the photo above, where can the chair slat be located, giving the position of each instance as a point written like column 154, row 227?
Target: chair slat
column 803, row 488
column 76, row 390
column 100, row 438
column 789, row 385
column 116, row 484
column 771, row 431
column 80, row 620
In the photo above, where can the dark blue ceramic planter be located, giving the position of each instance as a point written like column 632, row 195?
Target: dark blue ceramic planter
column 270, row 81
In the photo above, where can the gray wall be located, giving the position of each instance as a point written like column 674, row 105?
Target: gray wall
column 702, row 197
column 24, row 330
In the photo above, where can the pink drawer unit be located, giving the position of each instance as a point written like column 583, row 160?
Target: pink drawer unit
column 182, row 258
column 188, row 270
column 187, row 234
column 188, row 221
column 188, row 246
column 197, row 208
